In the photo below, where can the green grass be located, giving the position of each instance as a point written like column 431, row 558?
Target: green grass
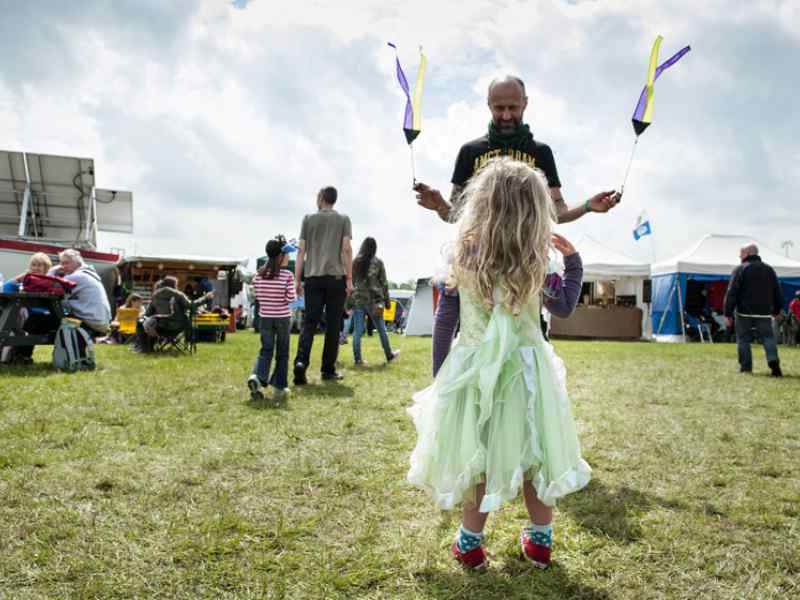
column 155, row 477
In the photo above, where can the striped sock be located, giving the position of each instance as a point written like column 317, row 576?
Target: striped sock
column 468, row 540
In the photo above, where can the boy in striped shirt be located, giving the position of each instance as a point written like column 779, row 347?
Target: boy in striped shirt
column 274, row 288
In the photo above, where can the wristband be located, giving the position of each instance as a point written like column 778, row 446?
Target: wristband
column 586, row 207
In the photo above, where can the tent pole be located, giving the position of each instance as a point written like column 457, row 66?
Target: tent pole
column 680, row 307
column 664, row 314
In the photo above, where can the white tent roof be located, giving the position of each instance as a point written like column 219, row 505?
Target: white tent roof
column 718, row 254
column 222, row 261
column 601, row 262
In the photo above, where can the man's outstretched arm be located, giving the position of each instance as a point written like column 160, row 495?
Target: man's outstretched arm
column 432, row 199
column 602, row 202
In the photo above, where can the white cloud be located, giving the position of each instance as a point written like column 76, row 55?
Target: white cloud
column 225, row 122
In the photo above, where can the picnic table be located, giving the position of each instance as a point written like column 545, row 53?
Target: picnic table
column 11, row 321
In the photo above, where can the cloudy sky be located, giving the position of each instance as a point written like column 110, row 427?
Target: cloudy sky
column 225, row 118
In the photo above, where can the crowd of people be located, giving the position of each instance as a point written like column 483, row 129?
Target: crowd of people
column 331, row 281
column 85, row 298
column 496, row 422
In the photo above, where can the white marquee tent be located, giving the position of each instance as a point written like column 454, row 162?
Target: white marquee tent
column 601, row 262
column 604, row 264
column 420, row 315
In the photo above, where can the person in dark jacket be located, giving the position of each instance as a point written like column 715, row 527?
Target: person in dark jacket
column 753, row 298
column 169, row 312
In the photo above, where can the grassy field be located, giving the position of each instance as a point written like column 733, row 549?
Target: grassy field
column 156, row 477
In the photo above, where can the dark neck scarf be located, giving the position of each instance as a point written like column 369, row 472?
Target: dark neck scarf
column 515, row 141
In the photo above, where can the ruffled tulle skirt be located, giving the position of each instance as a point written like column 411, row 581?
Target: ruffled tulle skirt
column 498, row 413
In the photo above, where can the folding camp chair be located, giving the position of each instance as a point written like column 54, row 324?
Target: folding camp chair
column 183, row 339
column 702, row 328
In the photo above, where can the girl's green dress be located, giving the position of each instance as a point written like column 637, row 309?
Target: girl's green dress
column 498, row 412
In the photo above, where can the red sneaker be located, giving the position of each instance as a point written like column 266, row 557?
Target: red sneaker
column 536, row 554
column 475, row 559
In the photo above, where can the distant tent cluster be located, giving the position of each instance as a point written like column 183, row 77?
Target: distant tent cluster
column 709, row 261
column 628, row 299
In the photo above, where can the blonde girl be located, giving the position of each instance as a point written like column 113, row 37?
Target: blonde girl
column 497, row 418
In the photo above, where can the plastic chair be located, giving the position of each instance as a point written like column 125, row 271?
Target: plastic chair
column 127, row 318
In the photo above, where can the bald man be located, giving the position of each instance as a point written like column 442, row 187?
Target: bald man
column 753, row 298
column 508, row 135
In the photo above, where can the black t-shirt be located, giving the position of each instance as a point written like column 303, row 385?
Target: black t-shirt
column 473, row 155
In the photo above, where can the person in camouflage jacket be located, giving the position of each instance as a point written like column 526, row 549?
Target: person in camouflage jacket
column 369, row 297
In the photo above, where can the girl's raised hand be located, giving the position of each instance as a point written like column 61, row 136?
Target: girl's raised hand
column 563, row 245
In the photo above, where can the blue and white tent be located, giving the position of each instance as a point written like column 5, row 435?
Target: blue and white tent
column 713, row 258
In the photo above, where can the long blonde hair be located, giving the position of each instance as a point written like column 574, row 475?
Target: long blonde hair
column 504, row 233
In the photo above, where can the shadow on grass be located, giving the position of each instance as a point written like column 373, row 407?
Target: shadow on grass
column 155, row 355
column 267, row 404
column 516, row 579
column 37, row 369
column 327, row 390
column 768, row 375
column 370, row 368
column 614, row 513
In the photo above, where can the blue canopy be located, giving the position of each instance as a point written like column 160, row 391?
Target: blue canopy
column 713, row 258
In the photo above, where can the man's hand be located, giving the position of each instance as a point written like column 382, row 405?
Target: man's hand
column 563, row 245
column 348, row 285
column 729, row 322
column 604, row 201
column 430, row 198
column 298, row 288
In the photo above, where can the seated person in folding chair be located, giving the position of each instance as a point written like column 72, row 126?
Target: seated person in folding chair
column 88, row 300
column 167, row 315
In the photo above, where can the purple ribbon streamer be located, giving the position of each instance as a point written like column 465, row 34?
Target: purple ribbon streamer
column 408, row 122
column 639, row 112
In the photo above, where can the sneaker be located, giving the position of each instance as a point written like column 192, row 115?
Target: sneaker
column 393, row 356
column 335, row 376
column 279, row 395
column 361, row 363
column 300, row 374
column 536, row 554
column 775, row 367
column 745, row 370
column 254, row 385
column 475, row 559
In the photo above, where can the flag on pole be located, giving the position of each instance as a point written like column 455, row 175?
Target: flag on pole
column 412, row 120
column 643, row 113
column 642, row 227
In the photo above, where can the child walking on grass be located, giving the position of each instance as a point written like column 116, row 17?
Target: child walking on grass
column 274, row 288
column 497, row 417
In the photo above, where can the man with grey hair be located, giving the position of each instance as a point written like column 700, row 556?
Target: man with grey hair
column 88, row 300
column 508, row 135
column 753, row 298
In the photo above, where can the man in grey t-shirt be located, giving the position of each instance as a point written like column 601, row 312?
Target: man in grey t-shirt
column 324, row 268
